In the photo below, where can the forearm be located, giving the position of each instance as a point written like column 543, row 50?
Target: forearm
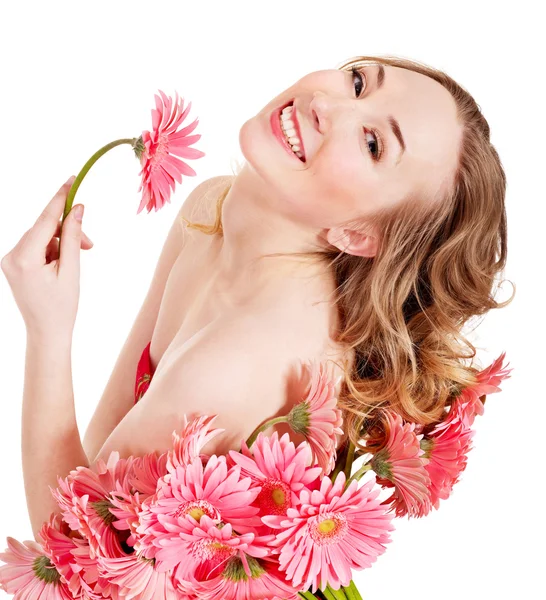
column 50, row 439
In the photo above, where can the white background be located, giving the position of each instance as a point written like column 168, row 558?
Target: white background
column 76, row 76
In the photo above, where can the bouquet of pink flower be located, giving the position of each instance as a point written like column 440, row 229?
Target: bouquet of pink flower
column 272, row 521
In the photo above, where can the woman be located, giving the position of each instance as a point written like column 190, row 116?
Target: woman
column 369, row 244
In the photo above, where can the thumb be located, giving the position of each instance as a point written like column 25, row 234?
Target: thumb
column 69, row 251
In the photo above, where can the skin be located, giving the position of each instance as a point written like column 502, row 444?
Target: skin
column 279, row 204
column 276, row 204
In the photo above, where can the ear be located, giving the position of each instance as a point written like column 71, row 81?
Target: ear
column 353, row 242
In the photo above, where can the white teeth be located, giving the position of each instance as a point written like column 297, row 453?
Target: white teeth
column 287, row 125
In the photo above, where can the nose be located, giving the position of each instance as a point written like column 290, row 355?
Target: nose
column 323, row 106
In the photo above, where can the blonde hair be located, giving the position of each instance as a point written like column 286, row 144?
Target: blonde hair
column 403, row 310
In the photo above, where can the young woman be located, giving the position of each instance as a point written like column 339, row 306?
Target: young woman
column 367, row 240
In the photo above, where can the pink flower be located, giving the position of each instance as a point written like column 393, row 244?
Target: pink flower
column 190, row 442
column 160, row 168
column 145, row 474
column 318, row 418
column 488, row 382
column 279, row 468
column 85, row 501
column 446, row 448
column 146, row 471
column 184, row 497
column 400, row 464
column 92, row 573
column 235, row 584
column 29, row 573
column 136, row 577
column 214, row 554
column 331, row 532
column 61, row 545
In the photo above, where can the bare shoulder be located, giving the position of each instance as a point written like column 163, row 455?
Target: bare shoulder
column 200, row 205
column 236, row 368
column 239, row 369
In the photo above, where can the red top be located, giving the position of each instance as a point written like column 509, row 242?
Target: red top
column 144, row 373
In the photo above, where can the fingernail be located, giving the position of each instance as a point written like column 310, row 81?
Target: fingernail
column 71, row 179
column 78, row 212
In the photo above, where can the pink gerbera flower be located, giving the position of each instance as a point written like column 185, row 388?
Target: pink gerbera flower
column 331, row 532
column 234, row 583
column 488, row 382
column 84, row 498
column 147, row 471
column 61, row 545
column 91, row 572
column 210, row 546
column 400, row 464
column 279, row 468
column 190, row 442
column 193, row 491
column 29, row 573
column 446, row 449
column 318, row 418
column 156, row 148
column 136, row 577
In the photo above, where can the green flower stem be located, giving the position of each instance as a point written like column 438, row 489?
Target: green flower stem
column 351, row 592
column 340, row 463
column 266, row 425
column 349, row 460
column 85, row 169
column 331, row 594
column 307, row 595
column 358, row 474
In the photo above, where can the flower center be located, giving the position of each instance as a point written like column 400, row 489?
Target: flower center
column 274, row 498
column 328, row 528
column 196, row 509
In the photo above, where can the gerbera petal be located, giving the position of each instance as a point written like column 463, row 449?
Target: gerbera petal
column 160, row 169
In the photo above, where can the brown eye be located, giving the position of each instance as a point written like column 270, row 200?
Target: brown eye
column 356, row 73
column 376, row 154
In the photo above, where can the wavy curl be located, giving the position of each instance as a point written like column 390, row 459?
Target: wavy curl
column 404, row 310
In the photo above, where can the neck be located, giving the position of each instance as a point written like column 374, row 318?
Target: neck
column 252, row 227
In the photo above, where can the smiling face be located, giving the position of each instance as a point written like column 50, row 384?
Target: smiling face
column 345, row 125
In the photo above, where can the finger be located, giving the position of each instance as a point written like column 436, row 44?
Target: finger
column 45, row 226
column 52, row 250
column 86, row 240
column 69, row 259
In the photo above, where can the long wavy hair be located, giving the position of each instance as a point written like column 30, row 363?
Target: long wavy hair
column 403, row 311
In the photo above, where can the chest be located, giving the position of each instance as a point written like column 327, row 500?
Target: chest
column 187, row 306
column 189, row 311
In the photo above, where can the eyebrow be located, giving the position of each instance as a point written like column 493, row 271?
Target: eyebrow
column 394, row 125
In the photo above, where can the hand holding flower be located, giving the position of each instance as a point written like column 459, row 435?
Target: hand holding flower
column 44, row 275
